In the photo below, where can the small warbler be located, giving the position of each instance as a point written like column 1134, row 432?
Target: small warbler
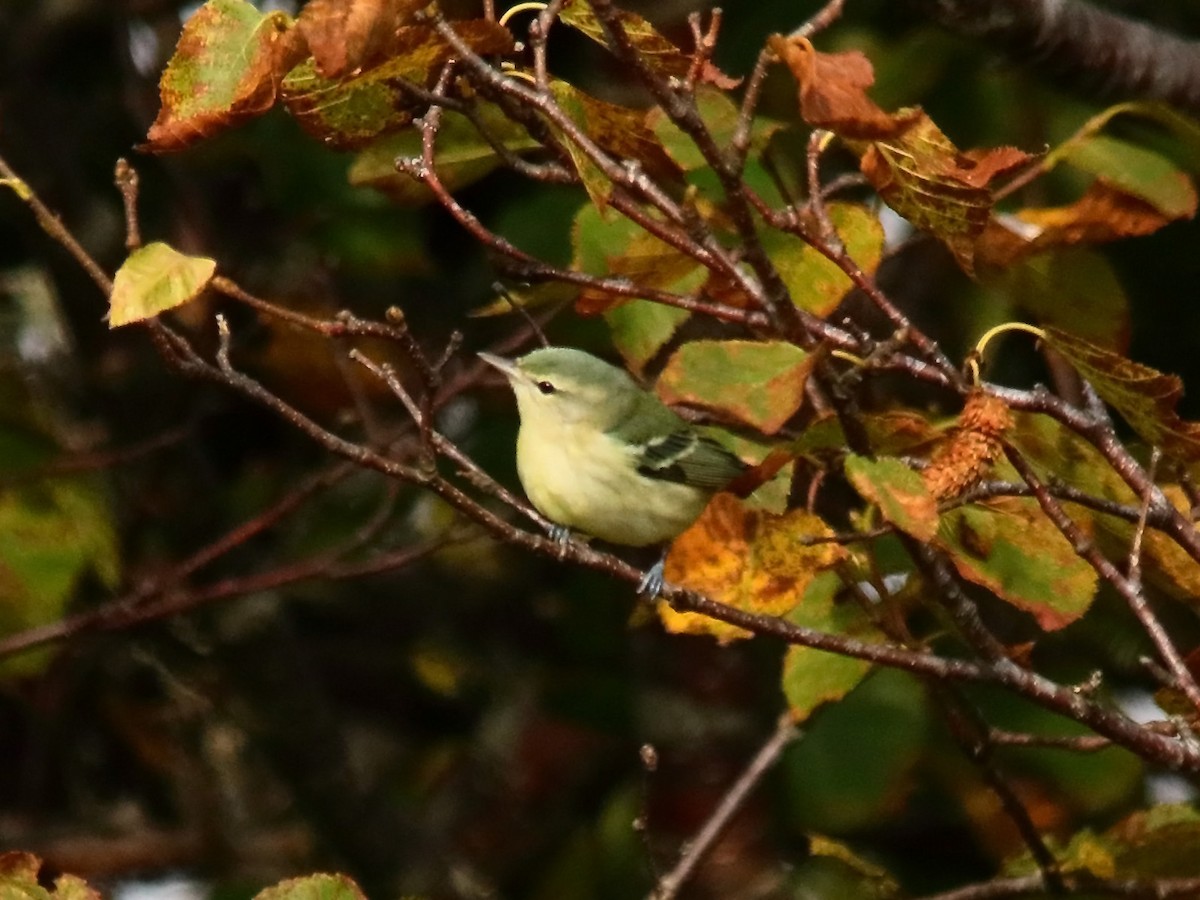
column 600, row 455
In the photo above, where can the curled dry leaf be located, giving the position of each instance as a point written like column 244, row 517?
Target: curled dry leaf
column 1104, row 213
column 833, row 91
column 345, row 35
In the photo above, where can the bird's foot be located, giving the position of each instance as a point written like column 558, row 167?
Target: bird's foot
column 561, row 535
column 653, row 581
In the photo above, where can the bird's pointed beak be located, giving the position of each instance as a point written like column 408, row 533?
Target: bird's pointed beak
column 507, row 366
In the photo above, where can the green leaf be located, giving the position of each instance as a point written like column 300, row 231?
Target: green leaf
column 1159, row 842
column 313, row 887
column 1009, row 547
column 1137, row 171
column 226, row 69
column 462, row 155
column 815, row 282
column 922, row 176
column 812, row 678
column 1107, row 158
column 641, row 328
column 18, row 877
column 898, row 491
column 54, row 531
column 720, row 116
column 852, row 769
column 154, row 279
column 1072, row 288
column 760, row 383
column 1145, row 397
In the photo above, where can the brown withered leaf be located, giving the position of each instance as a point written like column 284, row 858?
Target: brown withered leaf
column 226, row 68
column 833, row 89
column 746, row 558
column 345, row 35
column 1104, row 213
column 1145, row 397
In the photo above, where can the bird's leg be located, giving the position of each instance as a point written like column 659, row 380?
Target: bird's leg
column 653, row 581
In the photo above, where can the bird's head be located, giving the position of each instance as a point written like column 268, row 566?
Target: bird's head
column 567, row 386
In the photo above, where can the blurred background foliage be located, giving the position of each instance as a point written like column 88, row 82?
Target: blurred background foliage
column 469, row 726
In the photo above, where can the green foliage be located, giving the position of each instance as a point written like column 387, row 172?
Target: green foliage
column 733, row 255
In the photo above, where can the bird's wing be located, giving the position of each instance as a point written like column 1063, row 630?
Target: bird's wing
column 689, row 458
column 670, row 449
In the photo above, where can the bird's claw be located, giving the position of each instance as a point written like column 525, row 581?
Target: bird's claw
column 653, row 581
column 561, row 535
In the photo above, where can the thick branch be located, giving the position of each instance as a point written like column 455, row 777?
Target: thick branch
column 1092, row 50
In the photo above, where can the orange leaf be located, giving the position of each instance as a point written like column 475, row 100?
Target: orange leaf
column 1104, row 213
column 746, row 558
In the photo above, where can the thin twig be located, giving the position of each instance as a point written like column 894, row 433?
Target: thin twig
column 698, row 847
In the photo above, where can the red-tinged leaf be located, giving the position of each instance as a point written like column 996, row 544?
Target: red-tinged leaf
column 348, row 113
column 899, row 493
column 462, row 154
column 1009, row 547
column 1105, row 213
column 658, row 53
column 746, row 558
column 618, row 246
column 815, row 282
column 313, row 887
column 19, row 881
column 648, row 263
column 154, row 279
column 227, row 68
column 344, row 35
column 832, row 90
column 1145, row 397
column 812, row 678
column 760, row 383
column 922, row 176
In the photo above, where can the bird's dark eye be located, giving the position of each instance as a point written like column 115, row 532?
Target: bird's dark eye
column 546, row 387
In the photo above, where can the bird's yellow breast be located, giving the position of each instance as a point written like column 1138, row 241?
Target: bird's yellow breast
column 588, row 481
